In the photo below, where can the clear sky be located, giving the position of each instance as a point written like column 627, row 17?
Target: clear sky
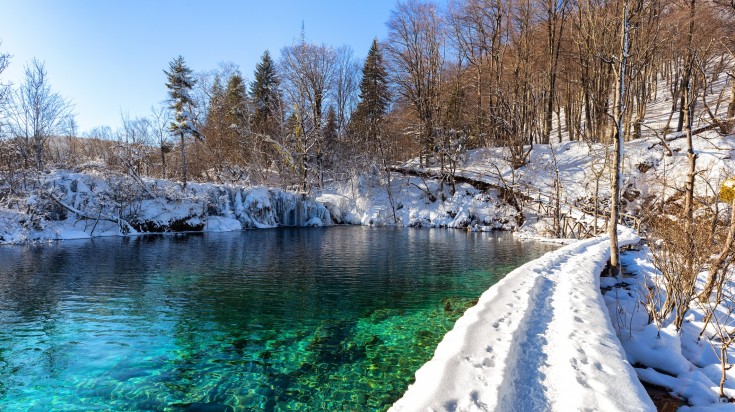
column 108, row 56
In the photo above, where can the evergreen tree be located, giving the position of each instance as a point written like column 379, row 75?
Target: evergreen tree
column 370, row 112
column 374, row 97
column 179, row 87
column 236, row 104
column 331, row 132
column 265, row 96
column 215, row 125
column 331, row 140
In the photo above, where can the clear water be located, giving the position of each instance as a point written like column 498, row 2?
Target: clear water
column 289, row 319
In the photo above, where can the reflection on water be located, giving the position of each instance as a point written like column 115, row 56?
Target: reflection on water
column 336, row 319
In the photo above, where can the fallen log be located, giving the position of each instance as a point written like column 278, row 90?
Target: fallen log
column 125, row 227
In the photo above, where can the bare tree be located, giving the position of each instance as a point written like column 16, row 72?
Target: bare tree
column 717, row 270
column 160, row 121
column 414, row 51
column 619, row 110
column 4, row 88
column 36, row 113
column 71, row 133
column 722, row 324
column 133, row 139
column 475, row 29
column 346, row 84
column 556, row 14
column 308, row 72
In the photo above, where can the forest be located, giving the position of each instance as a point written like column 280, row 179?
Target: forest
column 471, row 74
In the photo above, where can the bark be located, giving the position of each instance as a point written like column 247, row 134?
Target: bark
column 38, row 143
column 719, row 262
column 731, row 109
column 183, row 161
column 163, row 163
column 618, row 147
column 692, row 157
column 687, row 103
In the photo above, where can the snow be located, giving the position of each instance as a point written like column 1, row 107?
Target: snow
column 105, row 204
column 367, row 203
column 648, row 173
column 222, row 224
column 544, row 337
column 540, row 339
column 677, row 360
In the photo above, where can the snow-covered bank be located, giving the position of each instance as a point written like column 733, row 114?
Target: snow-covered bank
column 650, row 177
column 540, row 339
column 687, row 365
column 66, row 205
column 367, row 203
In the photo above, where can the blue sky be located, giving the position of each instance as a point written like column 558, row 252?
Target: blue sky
column 109, row 56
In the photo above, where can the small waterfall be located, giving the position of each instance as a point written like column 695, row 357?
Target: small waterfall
column 299, row 212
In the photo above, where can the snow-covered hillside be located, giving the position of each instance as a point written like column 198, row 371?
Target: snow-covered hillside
column 654, row 170
column 650, row 175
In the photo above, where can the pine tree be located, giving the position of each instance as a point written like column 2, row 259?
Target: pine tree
column 215, row 125
column 236, row 104
column 180, row 83
column 331, row 129
column 374, row 97
column 265, row 96
column 369, row 114
column 331, row 140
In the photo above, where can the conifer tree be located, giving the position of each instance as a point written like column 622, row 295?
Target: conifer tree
column 374, row 97
column 370, row 112
column 180, row 83
column 265, row 96
column 331, row 140
column 331, row 132
column 215, row 127
column 236, row 101
column 236, row 104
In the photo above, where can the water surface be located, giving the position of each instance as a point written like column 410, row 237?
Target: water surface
column 331, row 319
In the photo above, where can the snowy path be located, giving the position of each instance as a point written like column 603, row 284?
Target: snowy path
column 539, row 340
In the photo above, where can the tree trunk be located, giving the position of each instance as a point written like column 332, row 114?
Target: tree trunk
column 554, row 46
column 721, row 258
column 691, row 174
column 619, row 110
column 687, row 106
column 38, row 142
column 723, row 368
column 183, row 161
column 731, row 109
column 163, row 163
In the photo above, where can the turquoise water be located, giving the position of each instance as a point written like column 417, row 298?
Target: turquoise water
column 289, row 319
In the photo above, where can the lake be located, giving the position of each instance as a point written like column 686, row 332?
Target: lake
column 334, row 318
